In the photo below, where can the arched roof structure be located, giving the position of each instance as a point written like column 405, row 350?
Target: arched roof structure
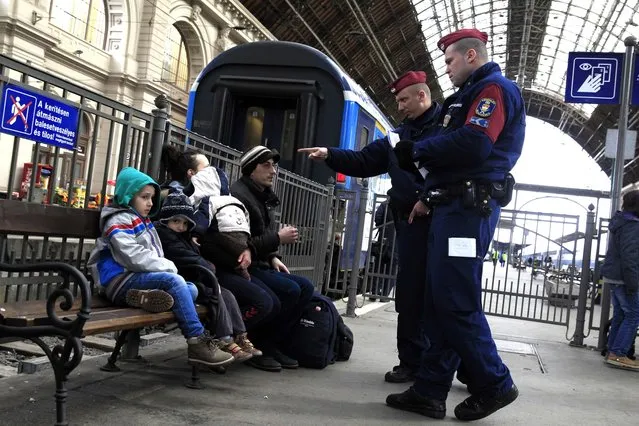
column 377, row 40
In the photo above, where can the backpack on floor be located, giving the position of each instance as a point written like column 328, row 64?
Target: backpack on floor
column 315, row 339
column 345, row 341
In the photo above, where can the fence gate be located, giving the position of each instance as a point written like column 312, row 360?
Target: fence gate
column 534, row 274
column 531, row 271
column 380, row 273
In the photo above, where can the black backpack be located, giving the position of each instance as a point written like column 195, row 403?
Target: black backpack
column 345, row 340
column 320, row 337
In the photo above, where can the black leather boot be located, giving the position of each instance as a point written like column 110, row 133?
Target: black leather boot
column 266, row 363
column 400, row 374
column 412, row 401
column 477, row 407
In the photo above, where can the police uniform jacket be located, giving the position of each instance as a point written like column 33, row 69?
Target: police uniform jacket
column 481, row 133
column 378, row 158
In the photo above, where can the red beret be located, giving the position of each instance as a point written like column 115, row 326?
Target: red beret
column 408, row 79
column 451, row 38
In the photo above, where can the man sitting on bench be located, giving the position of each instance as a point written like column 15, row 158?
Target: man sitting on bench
column 129, row 268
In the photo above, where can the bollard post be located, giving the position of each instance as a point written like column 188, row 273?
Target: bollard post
column 354, row 281
column 578, row 337
column 158, row 135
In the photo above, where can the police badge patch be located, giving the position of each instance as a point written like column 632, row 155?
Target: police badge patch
column 485, row 107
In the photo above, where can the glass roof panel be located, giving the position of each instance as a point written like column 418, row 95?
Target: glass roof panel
column 571, row 25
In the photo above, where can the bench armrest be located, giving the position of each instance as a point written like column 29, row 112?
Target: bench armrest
column 63, row 291
column 206, row 275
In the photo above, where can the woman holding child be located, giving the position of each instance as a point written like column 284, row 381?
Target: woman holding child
column 207, row 190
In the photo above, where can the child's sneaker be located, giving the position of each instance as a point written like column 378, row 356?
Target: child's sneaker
column 205, row 350
column 246, row 345
column 237, row 352
column 149, row 300
column 622, row 362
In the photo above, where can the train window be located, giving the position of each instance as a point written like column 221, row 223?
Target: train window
column 254, row 127
column 288, row 134
column 363, row 138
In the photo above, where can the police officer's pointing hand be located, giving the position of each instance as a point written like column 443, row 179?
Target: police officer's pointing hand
column 317, row 153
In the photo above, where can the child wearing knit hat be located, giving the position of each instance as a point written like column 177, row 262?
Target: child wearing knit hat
column 175, row 224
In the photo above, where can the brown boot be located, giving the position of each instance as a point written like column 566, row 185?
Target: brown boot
column 246, row 345
column 621, row 362
column 150, row 300
column 205, row 350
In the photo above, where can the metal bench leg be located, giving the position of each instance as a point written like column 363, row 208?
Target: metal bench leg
column 195, row 382
column 110, row 365
column 131, row 349
column 60, row 399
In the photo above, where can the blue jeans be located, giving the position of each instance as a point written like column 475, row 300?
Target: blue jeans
column 183, row 296
column 294, row 293
column 193, row 290
column 625, row 320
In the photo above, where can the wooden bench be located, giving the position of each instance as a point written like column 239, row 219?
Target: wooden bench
column 70, row 311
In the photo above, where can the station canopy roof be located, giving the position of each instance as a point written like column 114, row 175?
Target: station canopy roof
column 377, row 40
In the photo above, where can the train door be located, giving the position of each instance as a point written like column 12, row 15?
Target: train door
column 364, row 131
column 265, row 121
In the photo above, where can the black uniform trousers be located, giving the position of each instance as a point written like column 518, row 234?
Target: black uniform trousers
column 410, row 287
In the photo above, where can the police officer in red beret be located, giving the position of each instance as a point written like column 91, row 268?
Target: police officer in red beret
column 414, row 101
column 481, row 138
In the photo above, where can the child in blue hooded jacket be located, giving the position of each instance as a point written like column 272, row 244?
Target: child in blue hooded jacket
column 129, row 268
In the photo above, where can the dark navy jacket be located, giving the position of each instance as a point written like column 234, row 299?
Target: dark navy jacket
column 622, row 257
column 482, row 129
column 378, row 158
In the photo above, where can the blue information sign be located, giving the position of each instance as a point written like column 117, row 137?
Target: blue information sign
column 593, row 78
column 33, row 115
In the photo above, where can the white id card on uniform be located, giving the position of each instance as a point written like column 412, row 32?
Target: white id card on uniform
column 393, row 138
column 462, row 247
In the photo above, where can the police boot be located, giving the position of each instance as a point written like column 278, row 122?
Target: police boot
column 477, row 407
column 400, row 374
column 412, row 401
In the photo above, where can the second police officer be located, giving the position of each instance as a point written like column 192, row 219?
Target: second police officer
column 481, row 138
column 414, row 101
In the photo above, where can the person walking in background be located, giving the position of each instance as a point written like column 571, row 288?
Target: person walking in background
column 503, row 259
column 621, row 272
